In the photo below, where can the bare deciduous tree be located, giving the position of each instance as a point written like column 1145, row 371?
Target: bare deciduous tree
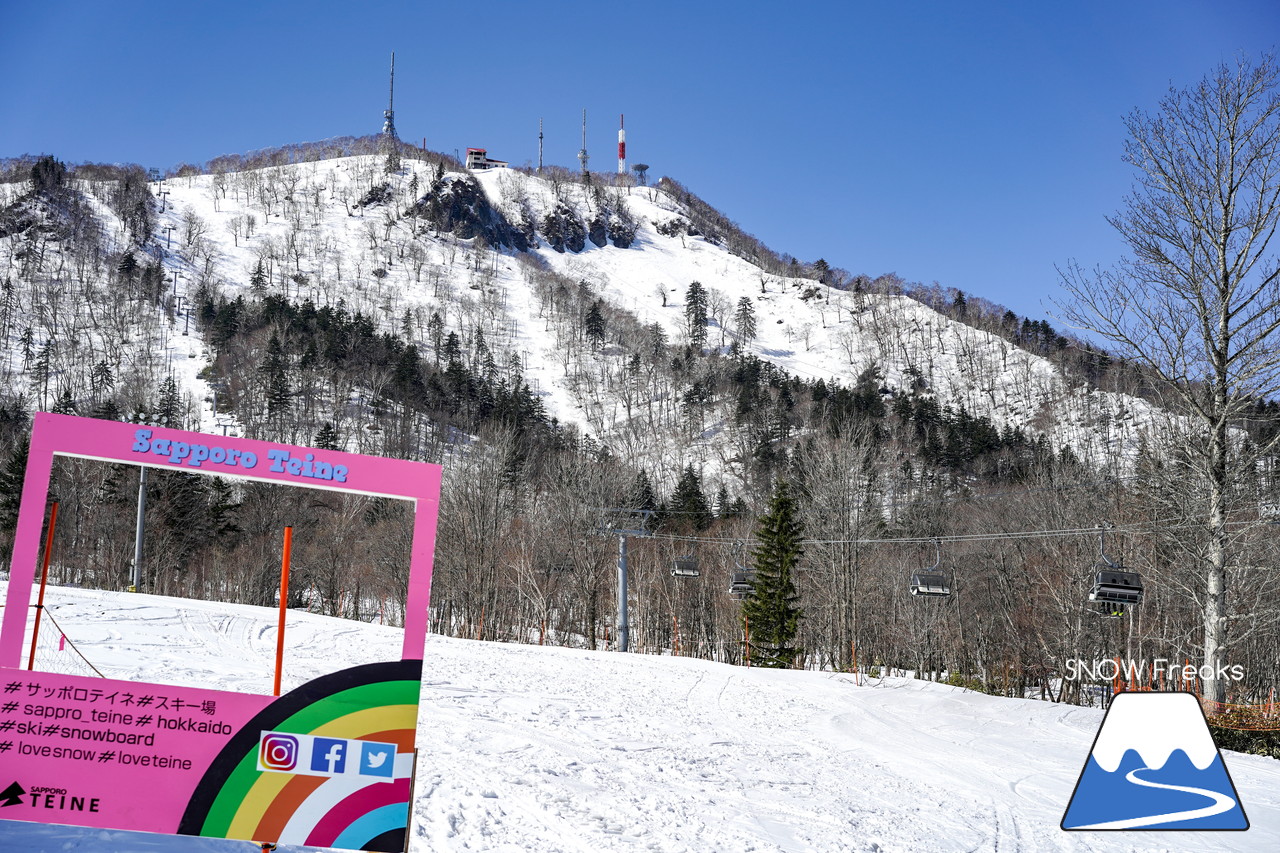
column 1197, row 303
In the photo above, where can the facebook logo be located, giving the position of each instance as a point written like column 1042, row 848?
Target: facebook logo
column 378, row 759
column 328, row 755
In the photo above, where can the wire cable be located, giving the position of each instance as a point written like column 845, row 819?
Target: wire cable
column 1009, row 535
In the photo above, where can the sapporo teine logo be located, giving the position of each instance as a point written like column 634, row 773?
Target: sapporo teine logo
column 12, row 795
column 313, row 755
column 48, row 797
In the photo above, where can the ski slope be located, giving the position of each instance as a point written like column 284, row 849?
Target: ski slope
column 808, row 331
column 528, row 748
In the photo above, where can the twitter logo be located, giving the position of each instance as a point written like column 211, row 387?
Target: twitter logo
column 378, row 759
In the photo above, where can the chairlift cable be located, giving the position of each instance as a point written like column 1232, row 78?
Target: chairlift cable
column 1083, row 484
column 1137, row 527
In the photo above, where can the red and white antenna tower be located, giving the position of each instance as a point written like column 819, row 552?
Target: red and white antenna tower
column 622, row 146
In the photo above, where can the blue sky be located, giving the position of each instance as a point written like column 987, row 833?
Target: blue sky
column 973, row 144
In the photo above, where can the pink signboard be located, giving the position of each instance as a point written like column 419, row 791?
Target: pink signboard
column 329, row 763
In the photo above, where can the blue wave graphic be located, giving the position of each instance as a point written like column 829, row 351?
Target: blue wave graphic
column 1133, row 794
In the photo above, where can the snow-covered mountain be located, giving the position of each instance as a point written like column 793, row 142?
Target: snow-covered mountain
column 493, row 252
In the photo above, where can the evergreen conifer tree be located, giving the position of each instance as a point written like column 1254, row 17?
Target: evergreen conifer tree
column 695, row 314
column 223, row 508
column 274, row 370
column 258, row 279
column 595, row 325
column 689, row 503
column 28, row 341
column 102, row 376
column 48, row 175
column 642, row 496
column 12, row 477
column 107, row 410
column 169, row 409
column 65, row 404
column 745, row 320
column 770, row 612
column 127, row 267
column 327, row 438
column 822, row 269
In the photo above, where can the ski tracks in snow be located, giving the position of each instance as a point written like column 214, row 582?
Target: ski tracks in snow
column 570, row 751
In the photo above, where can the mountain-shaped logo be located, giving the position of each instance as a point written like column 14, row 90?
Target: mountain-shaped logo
column 12, row 795
column 1154, row 765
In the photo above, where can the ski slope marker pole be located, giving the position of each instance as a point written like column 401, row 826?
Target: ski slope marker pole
column 44, row 580
column 284, row 603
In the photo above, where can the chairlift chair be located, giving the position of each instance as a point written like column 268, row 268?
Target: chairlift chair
column 1113, row 587
column 684, row 567
column 560, row 566
column 932, row 582
column 742, row 579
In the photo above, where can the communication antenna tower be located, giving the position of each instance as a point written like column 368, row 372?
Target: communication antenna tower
column 622, row 146
column 539, row 145
column 582, row 155
column 389, row 114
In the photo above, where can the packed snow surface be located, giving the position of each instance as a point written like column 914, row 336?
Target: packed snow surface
column 528, row 748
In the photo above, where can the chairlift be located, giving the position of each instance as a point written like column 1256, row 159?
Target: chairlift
column 560, row 566
column 685, row 567
column 742, row 579
column 1113, row 588
column 741, row 582
column 932, row 582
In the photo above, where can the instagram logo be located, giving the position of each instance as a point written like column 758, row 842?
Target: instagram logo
column 278, row 752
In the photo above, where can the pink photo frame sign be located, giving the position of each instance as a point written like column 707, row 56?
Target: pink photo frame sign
column 329, row 763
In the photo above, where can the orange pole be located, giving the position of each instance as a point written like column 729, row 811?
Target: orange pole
column 676, row 621
column 284, row 603
column 44, row 579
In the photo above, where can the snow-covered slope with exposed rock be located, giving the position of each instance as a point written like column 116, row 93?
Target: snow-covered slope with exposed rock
column 307, row 225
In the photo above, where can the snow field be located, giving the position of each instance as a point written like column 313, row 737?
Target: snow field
column 526, row 748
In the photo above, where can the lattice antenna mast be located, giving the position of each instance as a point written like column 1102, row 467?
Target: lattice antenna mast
column 389, row 114
column 582, row 155
column 539, row 145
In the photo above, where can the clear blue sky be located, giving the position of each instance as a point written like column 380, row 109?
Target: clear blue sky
column 973, row 144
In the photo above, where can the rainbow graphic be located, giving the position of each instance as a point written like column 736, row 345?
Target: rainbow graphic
column 375, row 702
